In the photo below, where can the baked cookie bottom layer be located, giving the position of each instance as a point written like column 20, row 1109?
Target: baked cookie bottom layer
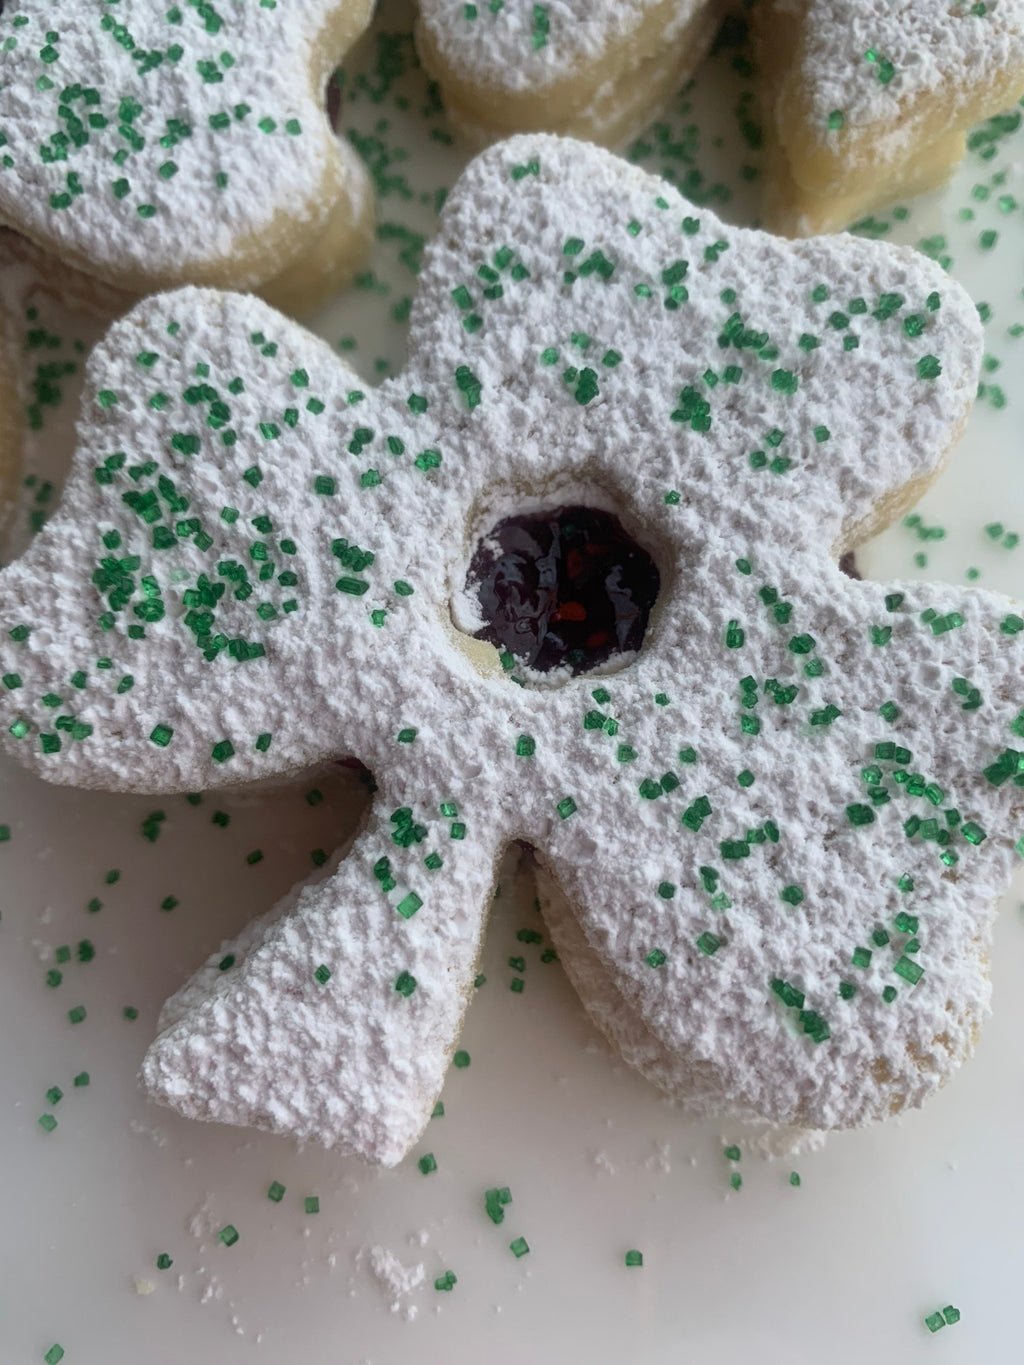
column 791, row 210
column 330, row 262
column 609, row 102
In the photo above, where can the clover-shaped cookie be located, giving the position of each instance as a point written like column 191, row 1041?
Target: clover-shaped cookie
column 871, row 100
column 149, row 144
column 599, row 69
column 780, row 818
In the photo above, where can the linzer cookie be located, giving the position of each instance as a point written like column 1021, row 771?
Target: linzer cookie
column 870, row 101
column 148, row 145
column 572, row 578
column 598, row 69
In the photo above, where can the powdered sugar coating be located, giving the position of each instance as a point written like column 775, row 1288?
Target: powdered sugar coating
column 165, row 140
column 520, row 46
column 949, row 48
column 857, row 364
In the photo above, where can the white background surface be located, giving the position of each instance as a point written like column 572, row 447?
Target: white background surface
column 887, row 1226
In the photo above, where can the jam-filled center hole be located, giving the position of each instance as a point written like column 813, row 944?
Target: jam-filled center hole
column 565, row 588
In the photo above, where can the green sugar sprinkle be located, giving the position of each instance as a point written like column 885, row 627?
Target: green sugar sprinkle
column 943, row 1317
column 495, row 1201
column 634, row 1258
column 405, row 984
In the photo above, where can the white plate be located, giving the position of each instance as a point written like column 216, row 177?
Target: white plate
column 888, row 1224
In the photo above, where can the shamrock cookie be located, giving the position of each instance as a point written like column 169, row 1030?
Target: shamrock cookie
column 870, row 100
column 570, row 578
column 148, row 145
column 598, row 69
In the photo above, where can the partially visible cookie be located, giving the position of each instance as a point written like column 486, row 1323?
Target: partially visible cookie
column 571, row 577
column 869, row 101
column 595, row 69
column 147, row 145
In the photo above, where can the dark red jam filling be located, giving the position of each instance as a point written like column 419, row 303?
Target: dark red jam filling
column 332, row 100
column 565, row 588
column 848, row 565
